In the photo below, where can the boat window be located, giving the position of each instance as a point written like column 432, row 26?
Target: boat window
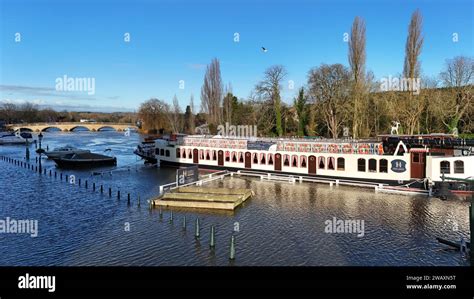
column 372, row 165
column 190, row 155
column 227, row 156
column 157, row 151
column 234, row 157
column 361, row 164
column 162, row 152
column 303, row 161
column 184, row 154
column 331, row 163
column 262, row 160
column 295, row 161
column 201, row 154
column 241, row 158
column 458, row 166
column 270, row 159
column 286, row 161
column 340, row 164
column 214, row 157
column 167, row 153
column 383, row 165
column 416, row 158
column 178, row 153
column 445, row 167
column 322, row 162
column 255, row 159
column 207, row 156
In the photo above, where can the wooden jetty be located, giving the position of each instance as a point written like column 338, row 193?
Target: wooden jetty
column 203, row 198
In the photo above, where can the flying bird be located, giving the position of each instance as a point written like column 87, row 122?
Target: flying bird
column 264, row 49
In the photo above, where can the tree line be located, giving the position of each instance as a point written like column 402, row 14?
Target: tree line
column 27, row 112
column 337, row 100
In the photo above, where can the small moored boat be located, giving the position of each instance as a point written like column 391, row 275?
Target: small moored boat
column 64, row 150
column 76, row 160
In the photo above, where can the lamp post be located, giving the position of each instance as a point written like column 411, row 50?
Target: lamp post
column 40, row 150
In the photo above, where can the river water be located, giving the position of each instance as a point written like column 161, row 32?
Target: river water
column 282, row 225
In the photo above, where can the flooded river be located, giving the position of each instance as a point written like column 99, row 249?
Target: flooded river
column 283, row 224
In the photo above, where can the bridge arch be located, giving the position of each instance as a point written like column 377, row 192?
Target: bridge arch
column 51, row 127
column 76, row 127
column 107, row 127
column 25, row 130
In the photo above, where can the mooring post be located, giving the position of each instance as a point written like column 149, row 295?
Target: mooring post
column 128, row 199
column 61, row 176
column 110, row 192
column 198, row 230
column 118, row 194
column 79, row 182
column 138, row 200
column 184, row 222
column 232, row 248
column 93, row 186
column 212, row 242
column 86, row 184
column 471, row 228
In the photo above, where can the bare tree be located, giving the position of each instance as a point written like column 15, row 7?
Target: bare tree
column 174, row 116
column 458, row 76
column 411, row 107
column 211, row 92
column 269, row 90
column 357, row 63
column 153, row 113
column 414, row 43
column 329, row 88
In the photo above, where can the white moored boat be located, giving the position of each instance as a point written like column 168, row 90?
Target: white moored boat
column 62, row 151
column 16, row 137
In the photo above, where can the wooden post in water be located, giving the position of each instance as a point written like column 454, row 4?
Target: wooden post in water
column 118, row 194
column 101, row 188
column 86, row 184
column 232, row 248
column 198, row 230
column 110, row 192
column 93, row 186
column 212, row 242
column 128, row 199
column 79, row 182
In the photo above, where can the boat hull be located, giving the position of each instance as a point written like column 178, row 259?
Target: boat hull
column 72, row 163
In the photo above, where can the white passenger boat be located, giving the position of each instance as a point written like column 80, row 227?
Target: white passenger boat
column 400, row 160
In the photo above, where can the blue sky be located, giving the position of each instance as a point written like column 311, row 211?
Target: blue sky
column 174, row 40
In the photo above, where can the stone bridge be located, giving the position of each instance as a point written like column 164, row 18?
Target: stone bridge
column 71, row 126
